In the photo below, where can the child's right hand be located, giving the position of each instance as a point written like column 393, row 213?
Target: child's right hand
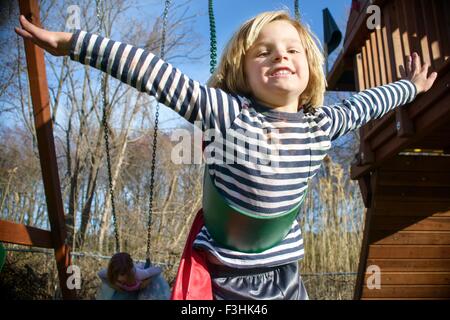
column 56, row 43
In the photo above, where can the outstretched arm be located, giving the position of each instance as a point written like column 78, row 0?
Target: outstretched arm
column 142, row 70
column 373, row 103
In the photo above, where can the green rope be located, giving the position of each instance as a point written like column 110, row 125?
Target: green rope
column 296, row 10
column 213, row 38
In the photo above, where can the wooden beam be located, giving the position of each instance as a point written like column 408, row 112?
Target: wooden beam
column 359, row 73
column 46, row 145
column 399, row 251
column 11, row 232
column 422, row 20
column 365, row 67
column 387, row 45
column 409, row 291
column 375, row 58
column 429, row 111
column 379, row 39
column 439, row 7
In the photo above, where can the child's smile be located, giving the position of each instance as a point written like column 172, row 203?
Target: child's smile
column 276, row 66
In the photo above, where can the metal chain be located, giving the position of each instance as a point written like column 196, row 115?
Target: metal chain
column 296, row 10
column 106, row 135
column 155, row 135
column 213, row 38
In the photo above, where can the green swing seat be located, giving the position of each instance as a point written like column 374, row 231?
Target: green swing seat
column 238, row 230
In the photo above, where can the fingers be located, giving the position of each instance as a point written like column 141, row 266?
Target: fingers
column 23, row 33
column 28, row 26
column 408, row 65
column 430, row 81
column 416, row 65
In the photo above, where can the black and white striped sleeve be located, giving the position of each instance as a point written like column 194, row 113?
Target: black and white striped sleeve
column 367, row 105
column 146, row 72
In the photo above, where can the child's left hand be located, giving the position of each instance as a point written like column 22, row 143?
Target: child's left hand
column 417, row 73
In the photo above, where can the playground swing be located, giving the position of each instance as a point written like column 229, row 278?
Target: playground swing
column 228, row 225
column 157, row 288
column 218, row 215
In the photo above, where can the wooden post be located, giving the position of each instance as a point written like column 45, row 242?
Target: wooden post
column 46, row 145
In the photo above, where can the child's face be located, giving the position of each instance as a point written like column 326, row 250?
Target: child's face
column 276, row 66
column 125, row 279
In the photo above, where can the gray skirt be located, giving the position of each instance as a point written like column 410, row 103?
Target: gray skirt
column 275, row 283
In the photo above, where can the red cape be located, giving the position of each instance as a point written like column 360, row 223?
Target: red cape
column 193, row 281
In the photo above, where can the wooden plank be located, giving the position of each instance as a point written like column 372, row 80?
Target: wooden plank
column 370, row 65
column 411, row 265
column 443, row 27
column 403, row 123
column 440, row 34
column 422, row 31
column 364, row 253
column 387, row 131
column 446, row 5
column 387, row 207
column 438, row 92
column 365, row 67
column 46, row 145
column 410, row 16
column 375, row 57
column 401, row 23
column 397, row 48
column 359, row 72
column 419, row 164
column 366, row 190
column 414, row 194
column 380, row 46
column 408, row 291
column 398, row 251
column 412, row 278
column 387, row 44
column 424, row 210
column 382, row 237
column 379, row 126
column 11, row 232
column 410, row 223
column 358, row 32
column 414, row 179
column 431, row 31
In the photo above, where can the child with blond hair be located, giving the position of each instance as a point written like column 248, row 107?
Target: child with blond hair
column 268, row 92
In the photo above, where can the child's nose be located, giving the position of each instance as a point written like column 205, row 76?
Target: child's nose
column 279, row 55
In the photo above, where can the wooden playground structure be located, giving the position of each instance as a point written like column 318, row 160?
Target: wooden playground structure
column 403, row 166
column 25, row 235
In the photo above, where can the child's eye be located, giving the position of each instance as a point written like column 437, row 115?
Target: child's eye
column 263, row 54
column 293, row 51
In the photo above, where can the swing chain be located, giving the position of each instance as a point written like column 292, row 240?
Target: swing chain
column 155, row 135
column 296, row 10
column 213, row 38
column 106, row 135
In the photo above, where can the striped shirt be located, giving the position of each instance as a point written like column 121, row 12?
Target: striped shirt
column 274, row 154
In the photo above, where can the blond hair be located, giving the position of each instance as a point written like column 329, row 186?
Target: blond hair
column 230, row 73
